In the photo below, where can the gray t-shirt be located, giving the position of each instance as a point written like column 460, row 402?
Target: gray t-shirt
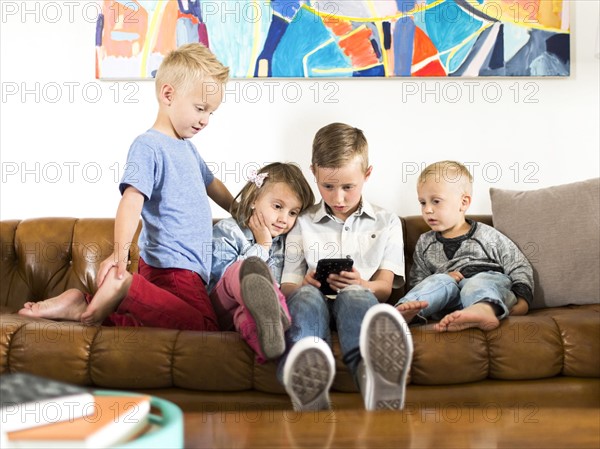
column 482, row 249
column 177, row 219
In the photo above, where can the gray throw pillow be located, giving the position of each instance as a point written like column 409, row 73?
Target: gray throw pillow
column 558, row 229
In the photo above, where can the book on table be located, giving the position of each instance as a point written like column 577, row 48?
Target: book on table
column 29, row 401
column 114, row 420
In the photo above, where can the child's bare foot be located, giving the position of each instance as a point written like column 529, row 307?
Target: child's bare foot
column 107, row 298
column 411, row 309
column 480, row 315
column 69, row 305
column 520, row 308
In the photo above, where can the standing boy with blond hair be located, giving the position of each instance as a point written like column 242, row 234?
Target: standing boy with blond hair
column 168, row 183
column 464, row 272
column 375, row 343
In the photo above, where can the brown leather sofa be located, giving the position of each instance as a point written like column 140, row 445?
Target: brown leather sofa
column 549, row 357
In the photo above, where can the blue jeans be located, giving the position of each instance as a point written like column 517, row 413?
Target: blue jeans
column 312, row 313
column 445, row 295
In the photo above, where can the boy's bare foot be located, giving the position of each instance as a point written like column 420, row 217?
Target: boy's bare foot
column 107, row 298
column 69, row 305
column 480, row 315
column 520, row 308
column 411, row 309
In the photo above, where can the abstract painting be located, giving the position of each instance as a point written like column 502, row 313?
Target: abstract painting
column 339, row 39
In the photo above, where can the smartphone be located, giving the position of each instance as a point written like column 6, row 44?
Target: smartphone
column 327, row 266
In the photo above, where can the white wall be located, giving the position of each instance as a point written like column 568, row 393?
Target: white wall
column 64, row 135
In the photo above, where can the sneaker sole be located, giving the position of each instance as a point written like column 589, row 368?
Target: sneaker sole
column 388, row 358
column 262, row 302
column 255, row 265
column 308, row 379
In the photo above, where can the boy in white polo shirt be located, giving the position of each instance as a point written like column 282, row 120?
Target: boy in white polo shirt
column 375, row 342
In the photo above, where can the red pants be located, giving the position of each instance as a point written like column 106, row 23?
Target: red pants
column 232, row 313
column 170, row 298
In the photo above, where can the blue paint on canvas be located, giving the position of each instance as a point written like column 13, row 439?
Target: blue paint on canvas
column 185, row 31
column 286, row 8
column 232, row 40
column 405, row 5
column 376, row 48
column 304, row 35
column 329, row 61
column 192, row 7
column 121, row 36
column 515, row 38
column 99, row 28
column 404, row 33
column 276, row 30
column 377, row 70
column 447, row 34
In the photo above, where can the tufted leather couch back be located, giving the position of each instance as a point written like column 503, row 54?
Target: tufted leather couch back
column 43, row 257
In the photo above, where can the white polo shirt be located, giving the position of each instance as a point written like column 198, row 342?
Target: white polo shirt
column 371, row 236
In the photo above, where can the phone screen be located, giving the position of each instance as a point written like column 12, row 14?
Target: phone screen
column 327, row 266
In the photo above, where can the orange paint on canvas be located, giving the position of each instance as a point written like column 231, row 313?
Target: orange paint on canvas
column 423, row 48
column 434, row 68
column 166, row 38
column 120, row 18
column 550, row 13
column 390, row 60
column 339, row 27
column 192, row 18
column 357, row 46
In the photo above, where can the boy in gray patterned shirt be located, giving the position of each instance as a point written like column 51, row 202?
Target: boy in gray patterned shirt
column 465, row 273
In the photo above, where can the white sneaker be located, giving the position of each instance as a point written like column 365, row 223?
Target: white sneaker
column 308, row 373
column 386, row 346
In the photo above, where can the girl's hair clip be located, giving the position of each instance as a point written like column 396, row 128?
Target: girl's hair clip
column 257, row 178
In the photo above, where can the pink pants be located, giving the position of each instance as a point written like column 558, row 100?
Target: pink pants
column 231, row 313
column 170, row 298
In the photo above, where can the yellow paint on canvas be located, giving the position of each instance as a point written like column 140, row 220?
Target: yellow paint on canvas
column 536, row 14
column 151, row 36
column 166, row 35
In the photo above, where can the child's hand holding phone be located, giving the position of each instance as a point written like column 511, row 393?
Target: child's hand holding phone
column 325, row 267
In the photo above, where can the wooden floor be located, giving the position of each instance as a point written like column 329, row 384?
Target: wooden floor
column 451, row 426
